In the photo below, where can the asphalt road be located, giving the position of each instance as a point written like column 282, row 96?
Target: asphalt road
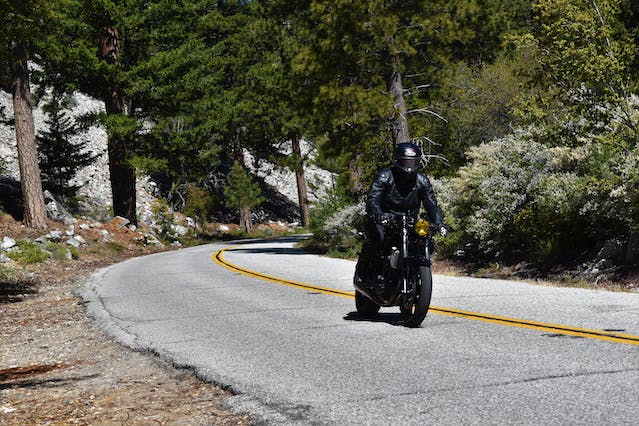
column 490, row 352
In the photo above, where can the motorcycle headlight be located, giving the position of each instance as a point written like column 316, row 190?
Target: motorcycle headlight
column 422, row 227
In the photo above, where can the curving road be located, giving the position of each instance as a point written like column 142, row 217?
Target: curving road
column 278, row 327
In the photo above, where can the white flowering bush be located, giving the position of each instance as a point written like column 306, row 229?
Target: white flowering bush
column 518, row 198
column 531, row 195
column 346, row 220
column 335, row 224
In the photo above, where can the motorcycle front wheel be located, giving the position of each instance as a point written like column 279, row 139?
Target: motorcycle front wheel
column 414, row 311
column 364, row 305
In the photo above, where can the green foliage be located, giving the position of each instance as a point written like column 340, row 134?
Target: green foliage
column 21, row 21
column 28, row 252
column 162, row 215
column 114, row 246
column 10, row 277
column 335, row 223
column 519, row 198
column 583, row 42
column 582, row 59
column 58, row 251
column 14, row 284
column 240, row 191
column 202, row 81
column 60, row 158
column 351, row 58
column 479, row 104
column 61, row 252
column 200, row 203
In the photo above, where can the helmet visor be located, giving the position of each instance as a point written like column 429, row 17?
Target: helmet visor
column 407, row 164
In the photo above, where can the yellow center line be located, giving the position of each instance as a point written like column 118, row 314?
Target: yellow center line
column 494, row 319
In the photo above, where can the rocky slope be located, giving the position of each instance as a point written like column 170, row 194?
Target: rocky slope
column 279, row 184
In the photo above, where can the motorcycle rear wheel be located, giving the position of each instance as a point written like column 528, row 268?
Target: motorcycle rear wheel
column 364, row 305
column 414, row 313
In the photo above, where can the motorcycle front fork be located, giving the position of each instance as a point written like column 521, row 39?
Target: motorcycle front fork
column 407, row 264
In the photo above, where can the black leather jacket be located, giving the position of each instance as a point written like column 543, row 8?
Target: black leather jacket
column 388, row 194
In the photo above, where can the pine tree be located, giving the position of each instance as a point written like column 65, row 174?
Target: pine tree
column 60, row 158
column 375, row 62
column 21, row 22
column 243, row 194
column 292, row 88
column 92, row 47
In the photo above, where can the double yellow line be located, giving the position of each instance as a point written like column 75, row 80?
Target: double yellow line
column 494, row 319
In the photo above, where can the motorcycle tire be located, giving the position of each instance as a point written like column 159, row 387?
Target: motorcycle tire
column 364, row 305
column 414, row 315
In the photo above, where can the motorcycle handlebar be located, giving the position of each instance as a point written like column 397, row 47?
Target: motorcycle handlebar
column 394, row 220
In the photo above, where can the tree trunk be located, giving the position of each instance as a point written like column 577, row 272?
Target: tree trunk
column 246, row 222
column 302, row 194
column 35, row 215
column 396, row 89
column 122, row 175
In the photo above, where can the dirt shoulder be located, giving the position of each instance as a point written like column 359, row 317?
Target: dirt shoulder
column 57, row 367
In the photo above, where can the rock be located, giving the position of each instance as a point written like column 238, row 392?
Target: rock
column 42, row 240
column 54, row 235
column 120, row 221
column 4, row 258
column 71, row 230
column 7, row 243
column 68, row 255
column 84, row 226
column 132, row 227
column 104, row 233
column 190, row 222
column 176, row 244
column 150, row 239
column 74, row 242
column 179, row 230
column 80, row 239
column 55, row 209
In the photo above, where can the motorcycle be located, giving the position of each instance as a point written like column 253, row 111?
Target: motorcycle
column 405, row 277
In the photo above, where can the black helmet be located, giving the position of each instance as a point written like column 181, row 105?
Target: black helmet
column 406, row 157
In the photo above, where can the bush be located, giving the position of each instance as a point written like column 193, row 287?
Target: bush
column 335, row 223
column 507, row 202
column 28, row 252
column 58, row 251
column 199, row 203
column 162, row 216
column 114, row 246
column 521, row 199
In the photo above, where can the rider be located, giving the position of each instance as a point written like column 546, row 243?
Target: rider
column 398, row 190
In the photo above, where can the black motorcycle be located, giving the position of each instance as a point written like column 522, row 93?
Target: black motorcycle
column 404, row 277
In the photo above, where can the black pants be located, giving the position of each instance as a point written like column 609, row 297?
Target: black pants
column 369, row 264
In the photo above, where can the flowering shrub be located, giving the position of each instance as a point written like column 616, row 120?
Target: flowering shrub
column 335, row 224
column 519, row 198
column 553, row 195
